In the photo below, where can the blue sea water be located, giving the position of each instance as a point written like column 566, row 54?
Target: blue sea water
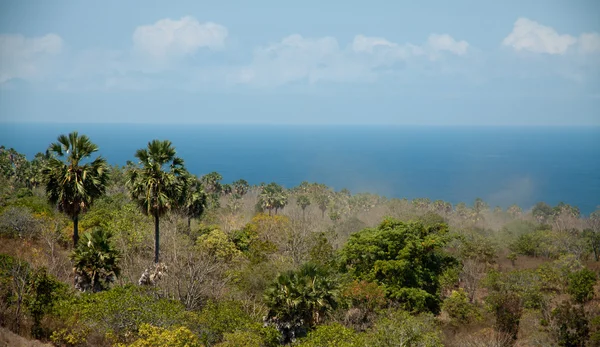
column 502, row 165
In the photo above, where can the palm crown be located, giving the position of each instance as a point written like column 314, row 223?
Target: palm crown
column 156, row 184
column 71, row 185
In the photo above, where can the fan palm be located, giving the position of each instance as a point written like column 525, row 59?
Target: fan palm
column 303, row 201
column 303, row 297
column 95, row 261
column 71, row 185
column 193, row 198
column 273, row 197
column 156, row 183
column 240, row 187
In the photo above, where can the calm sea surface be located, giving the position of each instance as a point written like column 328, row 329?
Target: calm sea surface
column 502, row 165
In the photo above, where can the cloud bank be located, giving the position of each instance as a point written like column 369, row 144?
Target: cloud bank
column 531, row 36
column 187, row 53
column 26, row 58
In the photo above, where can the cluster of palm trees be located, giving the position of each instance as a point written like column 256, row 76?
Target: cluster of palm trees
column 158, row 183
column 273, row 197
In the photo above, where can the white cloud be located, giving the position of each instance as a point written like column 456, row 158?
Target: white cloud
column 531, row 36
column 528, row 35
column 363, row 43
column 446, row 42
column 297, row 58
column 26, row 58
column 168, row 38
column 589, row 43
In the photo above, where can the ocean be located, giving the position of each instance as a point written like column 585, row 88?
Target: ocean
column 502, row 165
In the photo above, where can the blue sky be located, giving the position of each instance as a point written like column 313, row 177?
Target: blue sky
column 529, row 62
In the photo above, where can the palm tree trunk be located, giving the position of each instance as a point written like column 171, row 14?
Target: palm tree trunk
column 156, row 236
column 75, row 231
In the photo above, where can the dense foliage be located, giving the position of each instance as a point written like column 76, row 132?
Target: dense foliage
column 265, row 265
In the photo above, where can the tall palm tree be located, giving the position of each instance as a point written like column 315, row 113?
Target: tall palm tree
column 303, row 201
column 193, row 198
column 71, row 185
column 156, row 183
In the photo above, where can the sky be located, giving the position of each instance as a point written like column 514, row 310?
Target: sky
column 460, row 62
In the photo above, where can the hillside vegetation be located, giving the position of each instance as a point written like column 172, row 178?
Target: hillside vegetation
column 151, row 255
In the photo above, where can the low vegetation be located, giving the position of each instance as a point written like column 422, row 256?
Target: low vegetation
column 151, row 255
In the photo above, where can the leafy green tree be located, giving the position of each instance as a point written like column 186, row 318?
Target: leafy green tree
column 593, row 239
column 542, row 212
column 217, row 244
column 592, row 233
column 407, row 259
column 273, row 197
column 570, row 326
column 156, row 183
column 298, row 300
column 508, row 294
column 71, row 185
column 95, row 261
column 581, row 285
column 43, row 293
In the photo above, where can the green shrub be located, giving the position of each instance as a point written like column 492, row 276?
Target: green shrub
column 459, row 308
column 151, row 336
column 581, row 285
column 332, row 335
column 399, row 328
column 119, row 313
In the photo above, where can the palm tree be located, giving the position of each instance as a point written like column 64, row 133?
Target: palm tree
column 156, row 183
column 303, row 201
column 240, row 187
column 322, row 201
column 71, row 185
column 514, row 210
column 193, row 198
column 273, row 197
column 302, row 298
column 213, row 187
column 95, row 261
